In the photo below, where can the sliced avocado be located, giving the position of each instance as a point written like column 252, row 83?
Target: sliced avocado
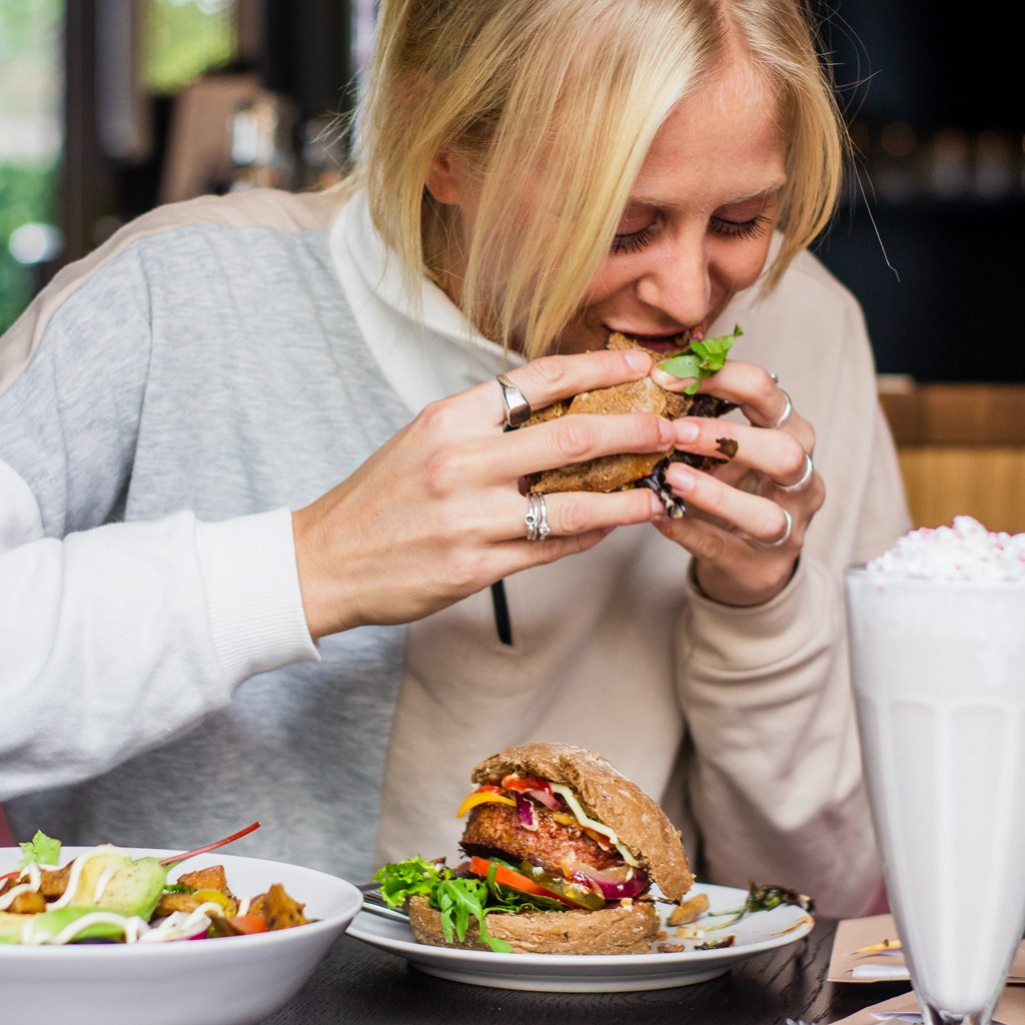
column 45, row 926
column 133, row 889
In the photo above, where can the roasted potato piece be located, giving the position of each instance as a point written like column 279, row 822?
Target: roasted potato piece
column 689, row 911
column 280, row 910
column 212, row 878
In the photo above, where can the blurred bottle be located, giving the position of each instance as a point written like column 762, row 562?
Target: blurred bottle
column 262, row 152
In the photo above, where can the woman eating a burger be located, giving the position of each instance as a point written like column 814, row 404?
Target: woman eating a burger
column 266, row 539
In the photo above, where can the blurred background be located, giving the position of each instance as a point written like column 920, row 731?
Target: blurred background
column 110, row 107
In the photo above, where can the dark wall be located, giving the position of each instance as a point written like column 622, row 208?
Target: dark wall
column 930, row 234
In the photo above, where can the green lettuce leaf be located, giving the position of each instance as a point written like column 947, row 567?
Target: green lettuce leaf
column 40, row 850
column 702, row 359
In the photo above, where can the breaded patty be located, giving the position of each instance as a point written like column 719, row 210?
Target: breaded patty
column 497, row 827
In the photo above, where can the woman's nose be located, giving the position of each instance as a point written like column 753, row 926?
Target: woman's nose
column 677, row 282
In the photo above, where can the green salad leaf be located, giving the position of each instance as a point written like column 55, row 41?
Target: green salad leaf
column 702, row 359
column 460, row 899
column 40, row 850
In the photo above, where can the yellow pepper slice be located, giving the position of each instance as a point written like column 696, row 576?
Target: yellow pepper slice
column 487, row 797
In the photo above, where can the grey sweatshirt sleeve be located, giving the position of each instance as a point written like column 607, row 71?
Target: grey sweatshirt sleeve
column 114, row 637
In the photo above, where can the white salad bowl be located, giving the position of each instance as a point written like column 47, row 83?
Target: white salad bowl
column 237, row 980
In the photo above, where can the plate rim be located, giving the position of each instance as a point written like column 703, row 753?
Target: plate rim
column 415, row 951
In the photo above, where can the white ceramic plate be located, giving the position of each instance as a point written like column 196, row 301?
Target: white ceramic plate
column 593, row 973
column 239, row 980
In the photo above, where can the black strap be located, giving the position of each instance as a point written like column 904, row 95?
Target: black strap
column 503, row 624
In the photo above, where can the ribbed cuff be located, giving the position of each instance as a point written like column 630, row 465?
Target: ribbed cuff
column 734, row 640
column 253, row 597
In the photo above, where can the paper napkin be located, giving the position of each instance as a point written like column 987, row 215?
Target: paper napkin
column 1010, row 1010
column 851, row 962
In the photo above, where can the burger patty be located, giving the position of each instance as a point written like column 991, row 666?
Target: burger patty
column 497, row 828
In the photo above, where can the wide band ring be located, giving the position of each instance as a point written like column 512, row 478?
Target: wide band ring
column 536, row 518
column 809, row 470
column 783, row 538
column 788, row 409
column 517, row 408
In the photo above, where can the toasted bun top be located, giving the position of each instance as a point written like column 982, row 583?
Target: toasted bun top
column 608, row 796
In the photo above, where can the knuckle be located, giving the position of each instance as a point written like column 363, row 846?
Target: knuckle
column 437, row 418
column 651, row 431
column 465, row 570
column 443, row 470
column 571, row 516
column 795, row 459
column 550, row 370
column 712, row 546
column 573, row 438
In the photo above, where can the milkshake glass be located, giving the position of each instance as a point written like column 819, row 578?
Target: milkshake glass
column 938, row 670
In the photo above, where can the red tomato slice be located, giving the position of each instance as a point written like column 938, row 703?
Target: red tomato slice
column 249, row 923
column 527, row 783
column 517, row 881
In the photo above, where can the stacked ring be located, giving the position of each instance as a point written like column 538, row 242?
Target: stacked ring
column 536, row 518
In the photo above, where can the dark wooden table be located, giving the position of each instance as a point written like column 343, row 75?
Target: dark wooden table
column 358, row 983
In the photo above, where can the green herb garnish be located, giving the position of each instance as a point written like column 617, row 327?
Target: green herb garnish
column 457, row 898
column 701, row 359
column 762, row 898
column 40, row 850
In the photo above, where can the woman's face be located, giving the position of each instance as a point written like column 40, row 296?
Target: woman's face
column 699, row 220
column 696, row 228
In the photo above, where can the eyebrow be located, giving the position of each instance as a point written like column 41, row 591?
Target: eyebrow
column 762, row 190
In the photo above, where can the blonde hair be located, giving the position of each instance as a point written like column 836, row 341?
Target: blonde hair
column 554, row 104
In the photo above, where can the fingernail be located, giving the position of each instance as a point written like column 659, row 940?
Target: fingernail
column 681, row 478
column 686, row 430
column 638, row 360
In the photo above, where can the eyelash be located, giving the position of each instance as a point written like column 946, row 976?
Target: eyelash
column 637, row 240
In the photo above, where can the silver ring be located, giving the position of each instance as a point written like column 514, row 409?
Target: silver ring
column 783, row 417
column 774, row 376
column 809, row 469
column 517, row 408
column 536, row 518
column 783, row 538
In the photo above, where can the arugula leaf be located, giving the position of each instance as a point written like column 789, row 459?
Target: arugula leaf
column 702, row 359
column 40, row 850
column 457, row 898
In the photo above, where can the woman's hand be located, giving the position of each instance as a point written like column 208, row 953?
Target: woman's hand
column 747, row 519
column 436, row 514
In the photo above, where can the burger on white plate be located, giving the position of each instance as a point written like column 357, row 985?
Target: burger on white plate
column 565, row 856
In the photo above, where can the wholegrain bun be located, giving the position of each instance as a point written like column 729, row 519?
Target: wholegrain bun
column 610, row 473
column 621, row 929
column 608, row 796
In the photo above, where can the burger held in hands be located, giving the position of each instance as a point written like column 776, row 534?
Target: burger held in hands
column 565, row 856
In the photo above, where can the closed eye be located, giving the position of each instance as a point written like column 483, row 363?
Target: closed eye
column 755, row 227
column 633, row 241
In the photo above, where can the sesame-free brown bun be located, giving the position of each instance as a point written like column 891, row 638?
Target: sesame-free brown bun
column 616, row 930
column 608, row 796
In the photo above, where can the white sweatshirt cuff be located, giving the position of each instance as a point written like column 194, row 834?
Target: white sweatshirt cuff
column 253, row 597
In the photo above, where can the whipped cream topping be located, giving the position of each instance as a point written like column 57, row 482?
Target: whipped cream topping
column 964, row 551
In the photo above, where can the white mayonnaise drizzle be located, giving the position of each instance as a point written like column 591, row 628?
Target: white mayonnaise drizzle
column 77, row 867
column 571, row 799
column 7, row 899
